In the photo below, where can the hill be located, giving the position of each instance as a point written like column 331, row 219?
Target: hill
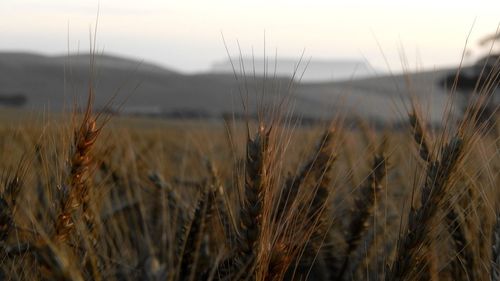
column 51, row 82
column 315, row 70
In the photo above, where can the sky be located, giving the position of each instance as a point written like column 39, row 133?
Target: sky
column 187, row 35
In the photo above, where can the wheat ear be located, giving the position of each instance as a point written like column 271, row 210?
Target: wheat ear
column 77, row 193
column 256, row 176
column 409, row 260
column 364, row 207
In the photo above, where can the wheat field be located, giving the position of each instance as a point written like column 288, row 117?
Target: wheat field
column 90, row 196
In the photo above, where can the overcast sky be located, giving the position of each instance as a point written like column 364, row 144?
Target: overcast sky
column 186, row 35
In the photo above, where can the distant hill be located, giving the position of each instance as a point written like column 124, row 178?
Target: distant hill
column 315, row 70
column 18, row 59
column 51, row 83
column 112, row 62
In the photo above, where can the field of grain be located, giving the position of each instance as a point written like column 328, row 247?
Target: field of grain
column 89, row 196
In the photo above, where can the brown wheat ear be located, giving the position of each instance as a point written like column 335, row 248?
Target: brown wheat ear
column 420, row 135
column 464, row 259
column 77, row 193
column 197, row 228
column 256, row 177
column 365, row 207
column 321, row 170
column 316, row 167
column 409, row 259
column 307, row 227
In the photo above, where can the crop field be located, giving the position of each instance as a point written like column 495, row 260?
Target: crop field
column 90, row 196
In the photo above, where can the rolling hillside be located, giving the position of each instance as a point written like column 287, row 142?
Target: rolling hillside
column 50, row 83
